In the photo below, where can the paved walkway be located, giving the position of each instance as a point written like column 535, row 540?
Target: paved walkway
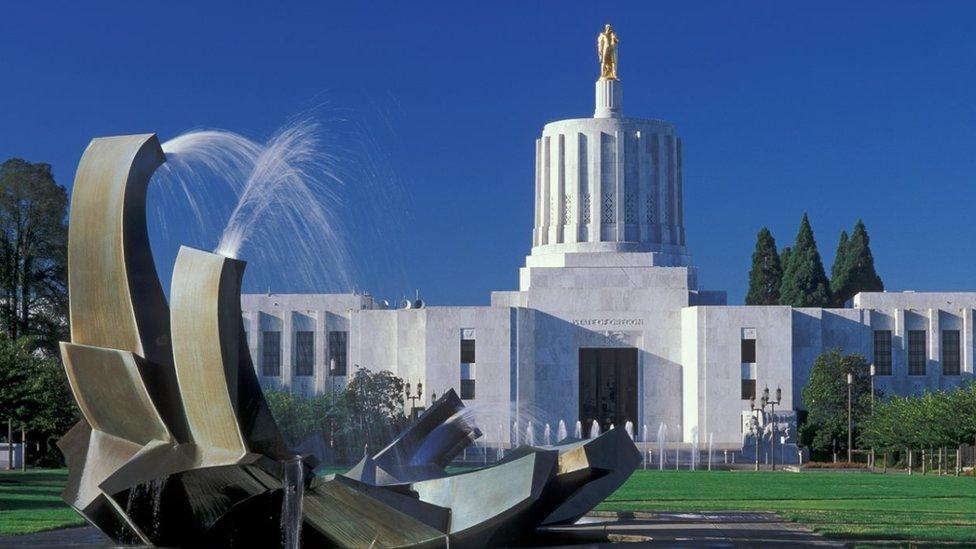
column 725, row 529
column 720, row 529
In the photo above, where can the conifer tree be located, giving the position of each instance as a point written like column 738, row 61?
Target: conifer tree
column 766, row 273
column 784, row 260
column 805, row 283
column 838, row 269
column 857, row 273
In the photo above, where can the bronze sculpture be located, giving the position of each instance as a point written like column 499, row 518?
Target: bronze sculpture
column 178, row 446
column 606, row 52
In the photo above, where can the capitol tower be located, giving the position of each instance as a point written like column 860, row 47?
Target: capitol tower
column 609, row 184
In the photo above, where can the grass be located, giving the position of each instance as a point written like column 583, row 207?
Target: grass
column 850, row 506
column 31, row 502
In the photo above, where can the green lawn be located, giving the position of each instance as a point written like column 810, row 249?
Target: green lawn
column 31, row 502
column 842, row 505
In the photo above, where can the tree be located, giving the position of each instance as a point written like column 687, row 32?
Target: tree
column 375, row 403
column 766, row 273
column 369, row 412
column 825, row 397
column 784, row 261
column 856, row 272
column 34, row 392
column 838, row 268
column 804, row 282
column 33, row 253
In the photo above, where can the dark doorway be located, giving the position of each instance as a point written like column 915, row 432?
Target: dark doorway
column 607, row 387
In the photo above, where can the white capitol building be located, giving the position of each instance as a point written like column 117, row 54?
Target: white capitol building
column 609, row 323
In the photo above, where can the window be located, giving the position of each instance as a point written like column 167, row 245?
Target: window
column 748, row 381
column 337, row 352
column 748, row 389
column 304, row 353
column 467, row 351
column 916, row 352
column 271, row 354
column 748, row 350
column 467, row 381
column 950, row 353
column 882, row 352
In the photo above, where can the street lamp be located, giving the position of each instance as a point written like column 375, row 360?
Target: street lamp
column 873, row 373
column 850, row 382
column 766, row 401
column 332, row 376
column 754, row 425
column 414, row 398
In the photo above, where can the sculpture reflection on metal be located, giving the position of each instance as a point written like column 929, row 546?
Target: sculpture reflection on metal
column 178, row 446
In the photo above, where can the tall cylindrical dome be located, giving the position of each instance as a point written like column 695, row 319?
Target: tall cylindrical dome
column 609, row 184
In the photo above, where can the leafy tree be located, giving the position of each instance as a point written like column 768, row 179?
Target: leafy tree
column 34, row 392
column 943, row 418
column 804, row 282
column 33, row 253
column 766, row 274
column 375, row 403
column 825, row 398
column 856, row 272
column 369, row 412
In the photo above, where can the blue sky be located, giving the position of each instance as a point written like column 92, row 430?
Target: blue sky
column 842, row 111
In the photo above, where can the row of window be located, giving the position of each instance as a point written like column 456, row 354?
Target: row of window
column 917, row 357
column 917, row 353
column 304, row 353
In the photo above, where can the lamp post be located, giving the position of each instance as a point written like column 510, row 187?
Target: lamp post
column 413, row 398
column 754, row 424
column 332, row 376
column 766, row 401
column 850, row 382
column 873, row 372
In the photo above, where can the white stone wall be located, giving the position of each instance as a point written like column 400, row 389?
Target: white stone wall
column 712, row 366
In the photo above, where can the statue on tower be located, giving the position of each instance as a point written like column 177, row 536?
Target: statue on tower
column 606, row 50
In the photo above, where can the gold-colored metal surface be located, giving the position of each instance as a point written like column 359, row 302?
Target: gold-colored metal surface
column 116, row 300
column 205, row 350
column 606, row 52
column 223, row 402
column 109, row 389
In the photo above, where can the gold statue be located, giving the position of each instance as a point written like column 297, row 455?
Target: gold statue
column 606, row 50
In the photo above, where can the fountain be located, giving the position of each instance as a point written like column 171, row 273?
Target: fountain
column 662, row 435
column 293, row 484
column 529, row 434
column 710, row 441
column 594, row 429
column 629, row 427
column 561, row 431
column 547, row 435
column 285, row 185
column 172, row 407
column 578, row 433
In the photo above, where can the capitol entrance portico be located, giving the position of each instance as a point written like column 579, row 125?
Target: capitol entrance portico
column 607, row 387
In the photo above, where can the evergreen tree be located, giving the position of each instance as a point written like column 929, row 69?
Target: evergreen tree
column 838, row 269
column 857, row 273
column 804, row 282
column 766, row 274
column 784, row 260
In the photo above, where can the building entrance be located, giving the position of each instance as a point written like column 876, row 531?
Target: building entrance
column 607, row 387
